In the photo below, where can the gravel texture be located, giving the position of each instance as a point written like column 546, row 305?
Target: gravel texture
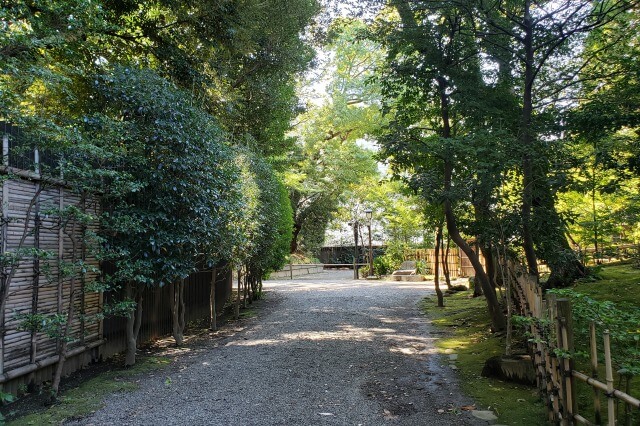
column 321, row 350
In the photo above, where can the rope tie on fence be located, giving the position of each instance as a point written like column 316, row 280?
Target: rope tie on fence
column 567, row 373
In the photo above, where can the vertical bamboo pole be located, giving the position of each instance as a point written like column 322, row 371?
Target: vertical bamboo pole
column 594, row 372
column 83, row 278
column 571, row 403
column 5, row 218
column 35, row 290
column 611, row 414
column 60, row 258
column 555, row 392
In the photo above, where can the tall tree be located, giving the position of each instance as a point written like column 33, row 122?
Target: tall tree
column 538, row 37
column 329, row 157
column 433, row 86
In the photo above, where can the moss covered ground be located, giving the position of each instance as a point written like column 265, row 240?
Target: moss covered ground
column 466, row 321
column 89, row 395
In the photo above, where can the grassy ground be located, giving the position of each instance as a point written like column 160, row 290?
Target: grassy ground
column 467, row 322
column 616, row 283
column 88, row 396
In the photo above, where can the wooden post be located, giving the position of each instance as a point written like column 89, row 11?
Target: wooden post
column 594, row 372
column 291, row 270
column 611, row 413
column 566, row 329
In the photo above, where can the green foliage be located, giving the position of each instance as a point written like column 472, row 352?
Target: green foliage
column 6, row 397
column 273, row 217
column 327, row 162
column 174, row 203
column 382, row 266
column 621, row 323
column 392, row 258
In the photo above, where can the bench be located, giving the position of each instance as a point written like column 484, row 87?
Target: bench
column 408, row 271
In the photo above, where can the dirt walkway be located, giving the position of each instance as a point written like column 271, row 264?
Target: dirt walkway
column 322, row 350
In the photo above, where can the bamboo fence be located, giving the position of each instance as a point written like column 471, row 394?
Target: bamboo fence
column 552, row 346
column 458, row 263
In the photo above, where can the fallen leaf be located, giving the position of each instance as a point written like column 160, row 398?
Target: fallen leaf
column 468, row 407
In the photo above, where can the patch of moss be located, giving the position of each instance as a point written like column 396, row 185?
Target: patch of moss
column 89, row 396
column 617, row 283
column 467, row 321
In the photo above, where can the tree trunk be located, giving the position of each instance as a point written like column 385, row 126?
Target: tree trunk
column 497, row 318
column 238, row 294
column 485, row 249
column 526, row 139
column 134, row 322
column 436, row 278
column 64, row 336
column 245, row 288
column 177, row 310
column 445, row 264
column 213, row 323
column 294, row 239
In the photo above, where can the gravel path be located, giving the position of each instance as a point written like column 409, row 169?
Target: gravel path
column 321, row 350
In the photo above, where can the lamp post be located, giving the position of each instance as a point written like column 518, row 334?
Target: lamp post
column 369, row 214
column 355, row 249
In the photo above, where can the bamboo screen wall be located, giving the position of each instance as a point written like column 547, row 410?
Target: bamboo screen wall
column 35, row 283
column 459, row 264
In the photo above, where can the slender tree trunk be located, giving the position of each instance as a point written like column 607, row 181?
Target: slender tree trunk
column 65, row 335
column 497, row 317
column 489, row 262
column 437, row 267
column 177, row 310
column 526, row 139
column 294, row 239
column 213, row 316
column 134, row 322
column 445, row 263
column 245, row 288
column 238, row 294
